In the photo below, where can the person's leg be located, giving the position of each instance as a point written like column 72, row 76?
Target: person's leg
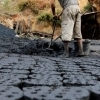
column 77, row 32
column 80, row 46
column 67, row 29
column 66, row 48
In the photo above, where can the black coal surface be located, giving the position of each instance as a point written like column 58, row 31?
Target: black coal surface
column 41, row 47
column 6, row 32
column 38, row 47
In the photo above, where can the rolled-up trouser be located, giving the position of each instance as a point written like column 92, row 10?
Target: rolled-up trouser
column 71, row 23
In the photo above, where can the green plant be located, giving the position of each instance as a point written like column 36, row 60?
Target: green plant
column 45, row 17
column 23, row 6
column 29, row 4
column 88, row 7
column 48, row 18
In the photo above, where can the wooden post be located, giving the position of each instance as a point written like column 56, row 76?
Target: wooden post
column 29, row 25
column 16, row 29
column 20, row 27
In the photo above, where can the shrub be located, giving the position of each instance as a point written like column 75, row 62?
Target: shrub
column 23, row 6
column 48, row 18
column 45, row 17
column 88, row 7
column 29, row 4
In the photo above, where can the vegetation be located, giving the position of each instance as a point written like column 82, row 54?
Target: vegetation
column 45, row 17
column 41, row 18
column 88, row 7
column 23, row 5
column 6, row 4
column 29, row 4
column 48, row 18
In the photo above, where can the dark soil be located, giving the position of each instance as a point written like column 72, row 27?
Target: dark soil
column 12, row 44
column 9, row 43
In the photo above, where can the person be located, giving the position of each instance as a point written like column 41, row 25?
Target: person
column 70, row 25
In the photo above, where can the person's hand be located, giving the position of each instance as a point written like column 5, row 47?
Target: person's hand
column 56, row 17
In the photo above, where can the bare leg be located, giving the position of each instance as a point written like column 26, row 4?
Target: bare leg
column 66, row 48
column 80, row 46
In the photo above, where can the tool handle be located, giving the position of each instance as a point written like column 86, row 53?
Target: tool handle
column 54, row 26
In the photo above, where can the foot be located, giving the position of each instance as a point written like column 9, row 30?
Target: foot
column 80, row 54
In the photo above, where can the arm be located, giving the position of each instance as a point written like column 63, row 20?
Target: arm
column 52, row 3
